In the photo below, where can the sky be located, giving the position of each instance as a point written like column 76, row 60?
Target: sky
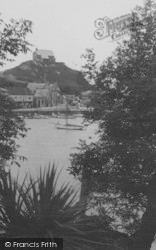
column 65, row 26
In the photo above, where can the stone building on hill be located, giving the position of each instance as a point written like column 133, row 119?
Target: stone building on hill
column 46, row 56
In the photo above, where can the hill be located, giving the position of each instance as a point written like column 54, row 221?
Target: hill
column 8, row 82
column 69, row 81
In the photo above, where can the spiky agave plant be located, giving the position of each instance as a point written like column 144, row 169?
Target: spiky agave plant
column 39, row 209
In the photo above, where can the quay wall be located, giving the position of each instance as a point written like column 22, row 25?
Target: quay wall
column 48, row 110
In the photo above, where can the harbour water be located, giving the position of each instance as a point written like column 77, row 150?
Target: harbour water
column 46, row 144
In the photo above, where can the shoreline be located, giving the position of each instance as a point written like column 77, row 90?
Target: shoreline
column 49, row 110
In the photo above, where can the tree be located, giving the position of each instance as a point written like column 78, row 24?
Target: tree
column 120, row 169
column 11, row 127
column 13, row 38
column 12, row 42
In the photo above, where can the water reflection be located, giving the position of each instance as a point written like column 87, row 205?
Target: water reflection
column 46, row 144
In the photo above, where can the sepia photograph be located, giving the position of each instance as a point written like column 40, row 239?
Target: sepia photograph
column 78, row 124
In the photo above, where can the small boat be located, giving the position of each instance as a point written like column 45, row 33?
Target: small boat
column 44, row 117
column 54, row 115
column 36, row 116
column 63, row 116
column 69, row 126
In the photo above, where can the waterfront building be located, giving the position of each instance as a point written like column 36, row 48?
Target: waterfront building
column 55, row 95
column 72, row 98
column 22, row 96
column 41, row 98
column 3, row 91
column 46, row 94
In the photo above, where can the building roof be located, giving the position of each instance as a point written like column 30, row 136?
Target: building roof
column 2, row 90
column 45, row 54
column 19, row 91
column 54, row 87
column 41, row 93
column 34, row 86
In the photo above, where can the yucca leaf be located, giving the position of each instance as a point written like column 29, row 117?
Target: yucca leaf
column 39, row 208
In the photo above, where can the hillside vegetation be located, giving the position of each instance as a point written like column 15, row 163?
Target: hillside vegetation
column 8, row 82
column 69, row 81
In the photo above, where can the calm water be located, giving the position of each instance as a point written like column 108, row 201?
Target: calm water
column 46, row 144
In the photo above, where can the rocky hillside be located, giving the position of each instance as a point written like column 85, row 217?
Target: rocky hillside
column 69, row 81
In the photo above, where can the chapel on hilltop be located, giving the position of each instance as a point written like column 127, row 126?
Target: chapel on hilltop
column 46, row 56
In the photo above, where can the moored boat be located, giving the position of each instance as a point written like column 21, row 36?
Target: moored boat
column 63, row 116
column 69, row 126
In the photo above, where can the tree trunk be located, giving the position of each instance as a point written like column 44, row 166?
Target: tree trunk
column 84, row 191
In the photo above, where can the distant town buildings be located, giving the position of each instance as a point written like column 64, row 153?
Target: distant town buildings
column 35, row 95
column 46, row 94
column 3, row 91
column 71, row 98
column 22, row 96
column 46, row 56
column 38, row 95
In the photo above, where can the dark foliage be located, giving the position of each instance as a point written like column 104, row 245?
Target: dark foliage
column 11, row 127
column 120, row 169
column 38, row 208
column 12, row 42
